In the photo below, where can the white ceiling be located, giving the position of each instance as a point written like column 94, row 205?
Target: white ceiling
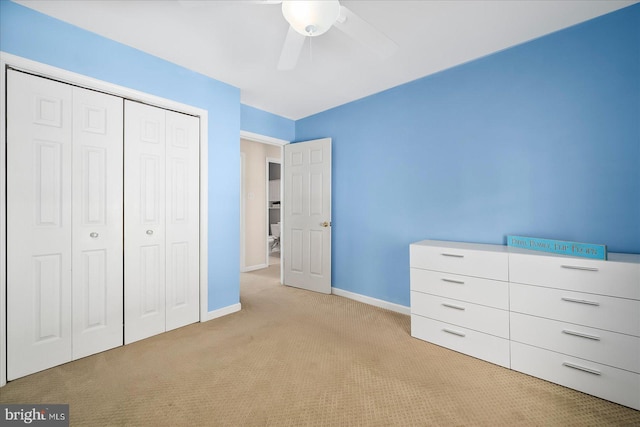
column 239, row 42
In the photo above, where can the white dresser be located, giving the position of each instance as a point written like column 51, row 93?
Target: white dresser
column 460, row 298
column 571, row 321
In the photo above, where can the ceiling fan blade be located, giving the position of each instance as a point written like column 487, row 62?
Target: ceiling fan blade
column 360, row 30
column 291, row 50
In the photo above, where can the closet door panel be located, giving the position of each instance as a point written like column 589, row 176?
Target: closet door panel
column 144, row 204
column 97, row 222
column 182, row 210
column 39, row 135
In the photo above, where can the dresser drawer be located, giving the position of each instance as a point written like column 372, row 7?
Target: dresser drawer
column 492, row 293
column 467, row 341
column 609, row 348
column 473, row 316
column 621, row 279
column 599, row 380
column 460, row 258
column 597, row 311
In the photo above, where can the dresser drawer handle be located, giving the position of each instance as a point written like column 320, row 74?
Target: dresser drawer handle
column 580, row 301
column 576, row 267
column 453, row 255
column 450, row 331
column 457, row 307
column 582, row 368
column 459, row 282
column 580, row 334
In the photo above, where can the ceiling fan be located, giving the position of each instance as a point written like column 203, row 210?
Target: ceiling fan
column 314, row 18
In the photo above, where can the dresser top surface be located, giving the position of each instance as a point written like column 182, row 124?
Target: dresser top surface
column 461, row 245
column 611, row 256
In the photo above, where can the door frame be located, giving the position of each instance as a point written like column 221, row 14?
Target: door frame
column 48, row 71
column 264, row 139
column 243, row 159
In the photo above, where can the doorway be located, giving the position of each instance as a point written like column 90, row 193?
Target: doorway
column 260, row 202
column 274, row 215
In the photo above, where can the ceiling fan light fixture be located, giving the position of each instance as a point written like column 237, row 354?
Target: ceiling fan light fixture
column 311, row 18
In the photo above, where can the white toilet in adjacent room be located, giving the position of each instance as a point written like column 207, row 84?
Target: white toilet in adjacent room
column 274, row 239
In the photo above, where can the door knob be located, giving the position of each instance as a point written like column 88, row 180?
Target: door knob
column 149, row 232
column 93, row 235
column 325, row 224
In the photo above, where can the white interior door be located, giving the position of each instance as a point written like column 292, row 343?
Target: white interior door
column 97, row 222
column 39, row 139
column 182, row 220
column 306, row 235
column 144, row 221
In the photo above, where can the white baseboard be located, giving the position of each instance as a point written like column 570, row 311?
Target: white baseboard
column 253, row 268
column 222, row 312
column 372, row 301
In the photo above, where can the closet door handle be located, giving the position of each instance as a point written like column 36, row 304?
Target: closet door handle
column 580, row 301
column 577, row 267
column 582, row 368
column 457, row 307
column 452, row 332
column 581, row 335
column 459, row 282
column 452, row 255
column 149, row 232
column 93, row 235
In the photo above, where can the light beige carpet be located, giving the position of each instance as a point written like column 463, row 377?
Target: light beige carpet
column 296, row 358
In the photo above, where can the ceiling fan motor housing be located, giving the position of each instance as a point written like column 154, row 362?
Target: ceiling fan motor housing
column 311, row 18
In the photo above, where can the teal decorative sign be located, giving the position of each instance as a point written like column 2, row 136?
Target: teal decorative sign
column 585, row 250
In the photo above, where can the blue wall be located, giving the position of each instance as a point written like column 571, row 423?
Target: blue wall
column 35, row 36
column 266, row 124
column 542, row 139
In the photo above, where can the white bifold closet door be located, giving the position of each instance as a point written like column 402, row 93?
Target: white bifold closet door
column 161, row 220
column 64, row 223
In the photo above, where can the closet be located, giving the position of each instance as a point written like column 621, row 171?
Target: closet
column 102, row 222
